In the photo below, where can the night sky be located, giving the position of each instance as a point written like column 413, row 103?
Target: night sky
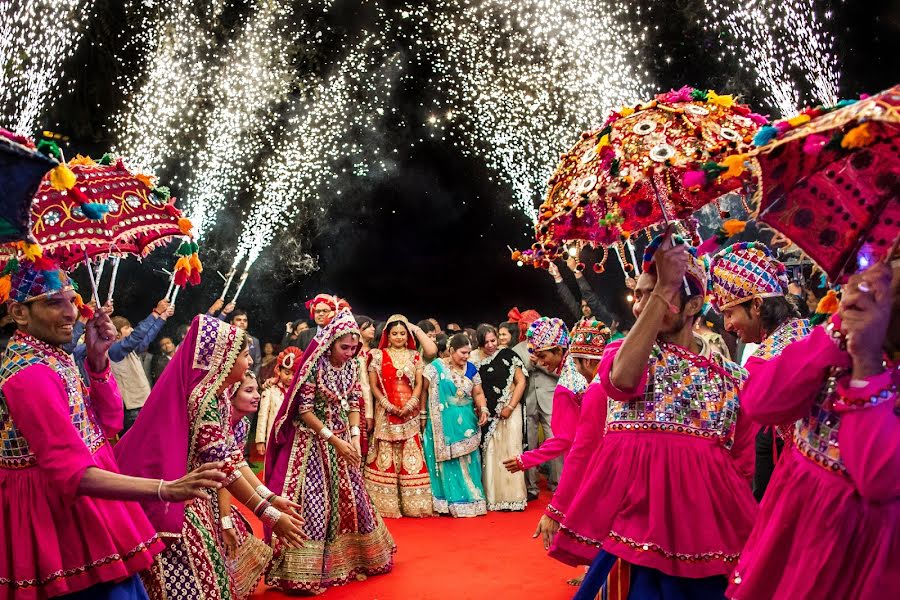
column 430, row 238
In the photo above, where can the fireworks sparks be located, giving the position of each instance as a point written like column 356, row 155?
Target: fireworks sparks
column 520, row 80
column 158, row 122
column 330, row 123
column 773, row 40
column 255, row 75
column 36, row 37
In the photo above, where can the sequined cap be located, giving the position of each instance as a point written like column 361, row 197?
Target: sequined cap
column 546, row 333
column 588, row 339
column 744, row 271
column 697, row 270
column 34, row 280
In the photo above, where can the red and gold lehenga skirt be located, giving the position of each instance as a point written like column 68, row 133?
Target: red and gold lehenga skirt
column 396, row 473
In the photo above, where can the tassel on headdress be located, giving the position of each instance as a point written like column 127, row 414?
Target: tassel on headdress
column 826, row 307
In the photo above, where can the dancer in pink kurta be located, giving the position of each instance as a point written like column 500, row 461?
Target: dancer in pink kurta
column 830, row 525
column 582, row 421
column 668, row 490
column 588, row 438
column 66, row 524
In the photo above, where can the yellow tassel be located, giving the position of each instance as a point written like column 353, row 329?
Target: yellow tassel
column 30, row 250
column 195, row 263
column 604, row 141
column 727, row 100
column 62, row 178
column 733, row 227
column 829, row 303
column 798, row 120
column 858, row 137
column 626, row 111
column 80, row 160
column 5, row 287
column 735, row 164
column 185, row 225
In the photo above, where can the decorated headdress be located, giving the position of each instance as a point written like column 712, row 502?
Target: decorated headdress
column 523, row 319
column 546, row 333
column 588, row 339
column 385, row 335
column 28, row 276
column 697, row 270
column 744, row 271
column 328, row 299
column 289, row 358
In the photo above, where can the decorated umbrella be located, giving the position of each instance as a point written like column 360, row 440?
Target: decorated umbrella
column 102, row 209
column 21, row 169
column 649, row 164
column 830, row 181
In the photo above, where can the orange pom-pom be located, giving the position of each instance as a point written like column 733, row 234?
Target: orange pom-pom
column 185, row 225
column 5, row 287
column 145, row 179
column 183, row 264
column 732, row 227
column 195, row 263
column 829, row 303
column 858, row 137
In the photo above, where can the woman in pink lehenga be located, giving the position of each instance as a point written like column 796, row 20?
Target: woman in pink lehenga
column 314, row 458
column 186, row 422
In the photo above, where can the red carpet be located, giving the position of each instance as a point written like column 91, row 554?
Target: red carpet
column 484, row 558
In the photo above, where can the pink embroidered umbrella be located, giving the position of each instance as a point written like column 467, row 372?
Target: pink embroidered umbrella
column 830, row 181
column 648, row 164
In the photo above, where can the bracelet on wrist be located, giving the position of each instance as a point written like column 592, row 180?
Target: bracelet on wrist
column 159, row 491
column 354, row 430
column 270, row 516
column 264, row 492
column 261, row 507
column 484, row 410
column 672, row 308
column 325, row 434
column 836, row 335
column 227, row 522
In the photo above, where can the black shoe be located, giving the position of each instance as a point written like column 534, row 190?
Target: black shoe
column 532, row 496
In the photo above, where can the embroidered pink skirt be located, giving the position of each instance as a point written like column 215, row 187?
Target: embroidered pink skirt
column 666, row 501
column 817, row 538
column 54, row 546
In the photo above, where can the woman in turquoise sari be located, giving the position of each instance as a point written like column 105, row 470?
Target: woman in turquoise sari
column 455, row 411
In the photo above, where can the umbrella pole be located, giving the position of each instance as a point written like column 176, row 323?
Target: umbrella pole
column 100, row 266
column 171, row 285
column 228, row 279
column 633, row 258
column 665, row 214
column 174, row 295
column 90, row 270
column 112, row 280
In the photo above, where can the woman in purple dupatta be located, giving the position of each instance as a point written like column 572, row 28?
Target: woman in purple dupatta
column 186, row 422
column 314, row 458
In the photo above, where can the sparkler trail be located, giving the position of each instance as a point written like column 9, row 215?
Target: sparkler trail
column 771, row 40
column 520, row 80
column 328, row 125
column 36, row 37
